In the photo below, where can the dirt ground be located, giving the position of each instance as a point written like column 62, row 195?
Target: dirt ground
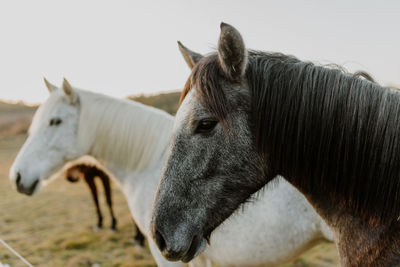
column 54, row 227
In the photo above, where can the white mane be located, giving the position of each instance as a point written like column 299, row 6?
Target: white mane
column 121, row 131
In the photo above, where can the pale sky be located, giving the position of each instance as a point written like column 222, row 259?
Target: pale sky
column 121, row 48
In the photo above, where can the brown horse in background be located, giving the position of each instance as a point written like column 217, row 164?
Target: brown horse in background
column 89, row 173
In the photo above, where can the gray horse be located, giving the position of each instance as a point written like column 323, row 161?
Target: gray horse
column 247, row 116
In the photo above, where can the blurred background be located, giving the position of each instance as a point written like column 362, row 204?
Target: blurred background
column 128, row 48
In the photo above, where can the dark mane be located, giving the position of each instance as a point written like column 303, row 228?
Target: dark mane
column 327, row 131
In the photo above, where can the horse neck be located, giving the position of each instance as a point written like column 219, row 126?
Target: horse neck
column 330, row 133
column 360, row 242
column 317, row 140
column 127, row 137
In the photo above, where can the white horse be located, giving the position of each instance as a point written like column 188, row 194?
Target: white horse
column 131, row 140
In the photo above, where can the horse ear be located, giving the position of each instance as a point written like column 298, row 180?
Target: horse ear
column 49, row 86
column 190, row 57
column 69, row 91
column 232, row 53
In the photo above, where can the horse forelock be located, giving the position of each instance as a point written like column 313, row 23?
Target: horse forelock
column 45, row 110
column 207, row 79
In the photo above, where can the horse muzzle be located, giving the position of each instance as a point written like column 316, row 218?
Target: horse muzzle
column 23, row 189
column 177, row 247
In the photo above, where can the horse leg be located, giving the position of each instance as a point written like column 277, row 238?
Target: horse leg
column 107, row 190
column 92, row 186
column 139, row 237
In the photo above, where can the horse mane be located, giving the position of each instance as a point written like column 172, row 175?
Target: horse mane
column 331, row 133
column 126, row 132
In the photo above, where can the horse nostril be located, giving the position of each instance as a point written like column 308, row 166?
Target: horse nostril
column 18, row 180
column 32, row 188
column 160, row 241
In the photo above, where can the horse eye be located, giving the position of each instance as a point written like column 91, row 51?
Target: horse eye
column 206, row 126
column 55, row 121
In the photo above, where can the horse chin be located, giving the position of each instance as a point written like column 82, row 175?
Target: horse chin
column 198, row 246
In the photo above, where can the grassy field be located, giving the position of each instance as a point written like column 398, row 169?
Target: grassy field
column 54, row 227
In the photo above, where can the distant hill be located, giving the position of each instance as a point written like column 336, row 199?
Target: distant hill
column 15, row 118
column 6, row 107
column 165, row 101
